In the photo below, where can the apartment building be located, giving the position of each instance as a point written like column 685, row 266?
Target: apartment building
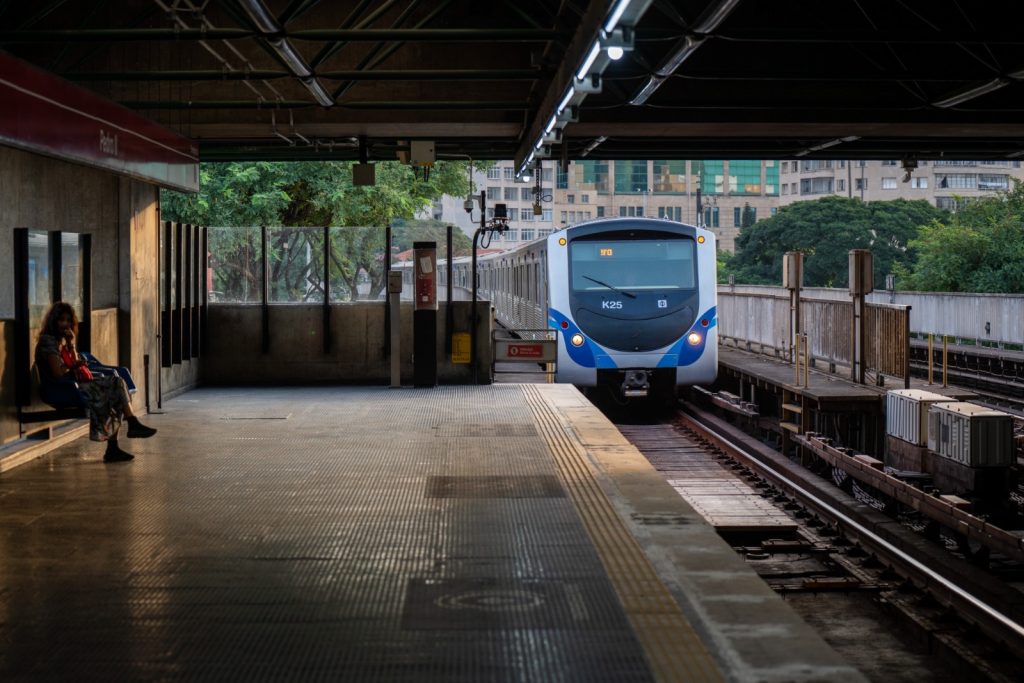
column 945, row 184
column 731, row 192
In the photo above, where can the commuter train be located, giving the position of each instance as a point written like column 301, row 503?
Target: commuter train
column 633, row 301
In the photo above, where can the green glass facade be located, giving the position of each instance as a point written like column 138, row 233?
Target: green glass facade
column 592, row 175
column 631, row 177
column 670, row 177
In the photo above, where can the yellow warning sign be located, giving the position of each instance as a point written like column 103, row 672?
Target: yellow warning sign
column 460, row 348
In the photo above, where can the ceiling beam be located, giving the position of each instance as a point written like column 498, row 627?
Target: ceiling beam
column 433, row 35
column 349, row 75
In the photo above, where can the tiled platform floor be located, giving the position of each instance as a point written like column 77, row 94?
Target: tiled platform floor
column 336, row 534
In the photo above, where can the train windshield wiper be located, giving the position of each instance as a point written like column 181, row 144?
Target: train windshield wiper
column 614, row 289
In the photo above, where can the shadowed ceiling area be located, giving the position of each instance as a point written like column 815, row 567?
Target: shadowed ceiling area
column 306, row 79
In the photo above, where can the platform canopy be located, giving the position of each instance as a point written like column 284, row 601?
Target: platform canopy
column 298, row 79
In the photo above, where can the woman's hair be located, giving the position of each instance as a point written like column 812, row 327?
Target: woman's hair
column 49, row 325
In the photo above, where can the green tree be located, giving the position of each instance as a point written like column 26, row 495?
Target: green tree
column 979, row 248
column 749, row 216
column 299, row 195
column 825, row 230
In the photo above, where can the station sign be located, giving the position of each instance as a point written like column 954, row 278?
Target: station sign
column 48, row 115
column 539, row 351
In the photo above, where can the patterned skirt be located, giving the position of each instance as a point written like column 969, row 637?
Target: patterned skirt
column 105, row 398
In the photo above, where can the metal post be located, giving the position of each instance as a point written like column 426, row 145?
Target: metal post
column 326, row 324
column 56, row 256
column 807, row 360
column 265, row 291
column 945, row 360
column 387, row 293
column 473, row 318
column 449, row 312
column 906, row 348
column 85, row 328
column 796, row 360
column 931, row 357
column 395, row 323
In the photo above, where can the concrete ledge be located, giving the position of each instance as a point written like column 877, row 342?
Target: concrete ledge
column 28, row 449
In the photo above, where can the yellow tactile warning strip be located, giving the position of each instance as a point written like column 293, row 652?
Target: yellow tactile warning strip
column 672, row 647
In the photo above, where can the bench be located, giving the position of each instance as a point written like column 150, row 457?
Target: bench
column 64, row 396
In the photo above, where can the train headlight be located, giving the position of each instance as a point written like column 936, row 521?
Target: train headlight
column 700, row 239
column 561, row 241
column 577, row 339
column 694, row 338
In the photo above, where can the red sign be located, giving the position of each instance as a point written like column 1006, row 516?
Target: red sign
column 526, row 350
column 44, row 114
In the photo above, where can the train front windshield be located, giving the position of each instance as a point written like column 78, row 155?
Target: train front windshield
column 632, row 264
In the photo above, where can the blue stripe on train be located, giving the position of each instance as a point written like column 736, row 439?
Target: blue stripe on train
column 581, row 355
column 684, row 353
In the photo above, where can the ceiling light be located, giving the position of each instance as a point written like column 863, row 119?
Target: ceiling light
column 615, row 53
column 595, row 50
column 715, row 16
column 971, row 93
column 565, row 100
column 613, row 18
column 292, row 58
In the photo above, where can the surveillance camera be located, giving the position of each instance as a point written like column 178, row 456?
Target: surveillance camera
column 468, row 205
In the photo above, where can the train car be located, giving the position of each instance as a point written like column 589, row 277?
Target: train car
column 633, row 300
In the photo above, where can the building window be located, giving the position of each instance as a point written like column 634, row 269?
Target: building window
column 670, row 177
column 988, row 181
column 600, row 212
column 585, row 198
column 570, row 199
column 815, row 164
column 672, row 213
column 956, row 181
column 860, row 184
column 591, row 175
column 711, row 175
column 785, row 167
column 774, row 210
column 512, row 235
column 745, row 177
column 545, row 175
column 919, row 183
column 526, row 214
column 785, row 188
column 842, row 163
column 564, row 215
column 494, row 173
column 816, row 186
column 630, row 177
column 508, row 173
column 546, row 215
column 889, row 162
column 527, row 234
column 562, row 180
column 841, row 185
column 510, row 194
column 888, row 183
column 950, row 203
column 526, row 193
column 711, row 217
column 493, row 192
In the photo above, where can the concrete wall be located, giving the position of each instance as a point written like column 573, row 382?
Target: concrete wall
column 296, row 345
column 122, row 215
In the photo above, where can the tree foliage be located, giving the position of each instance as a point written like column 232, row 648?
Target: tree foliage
column 298, row 196
column 980, row 248
column 825, row 231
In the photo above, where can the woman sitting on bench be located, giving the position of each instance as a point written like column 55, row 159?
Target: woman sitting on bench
column 105, row 398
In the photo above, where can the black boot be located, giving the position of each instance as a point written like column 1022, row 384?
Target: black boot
column 137, row 430
column 115, row 454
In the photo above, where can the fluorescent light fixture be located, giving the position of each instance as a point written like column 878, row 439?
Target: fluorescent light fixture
column 540, row 143
column 318, row 92
column 615, row 53
column 595, row 50
column 565, row 100
column 292, row 58
column 613, row 18
column 684, row 49
column 971, row 93
column 551, row 124
column 261, row 16
column 715, row 16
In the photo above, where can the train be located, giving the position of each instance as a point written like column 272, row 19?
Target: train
column 633, row 302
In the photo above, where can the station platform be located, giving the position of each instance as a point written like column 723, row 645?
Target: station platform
column 470, row 533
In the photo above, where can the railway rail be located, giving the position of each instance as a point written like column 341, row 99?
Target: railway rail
column 844, row 546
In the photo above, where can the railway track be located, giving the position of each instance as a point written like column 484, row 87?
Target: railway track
column 825, row 551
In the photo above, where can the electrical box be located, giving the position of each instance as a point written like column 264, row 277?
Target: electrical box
column 394, row 282
column 906, row 414
column 421, row 153
column 862, row 273
column 792, row 270
column 364, row 174
column 972, row 435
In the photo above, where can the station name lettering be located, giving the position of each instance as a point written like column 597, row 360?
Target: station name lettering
column 108, row 143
